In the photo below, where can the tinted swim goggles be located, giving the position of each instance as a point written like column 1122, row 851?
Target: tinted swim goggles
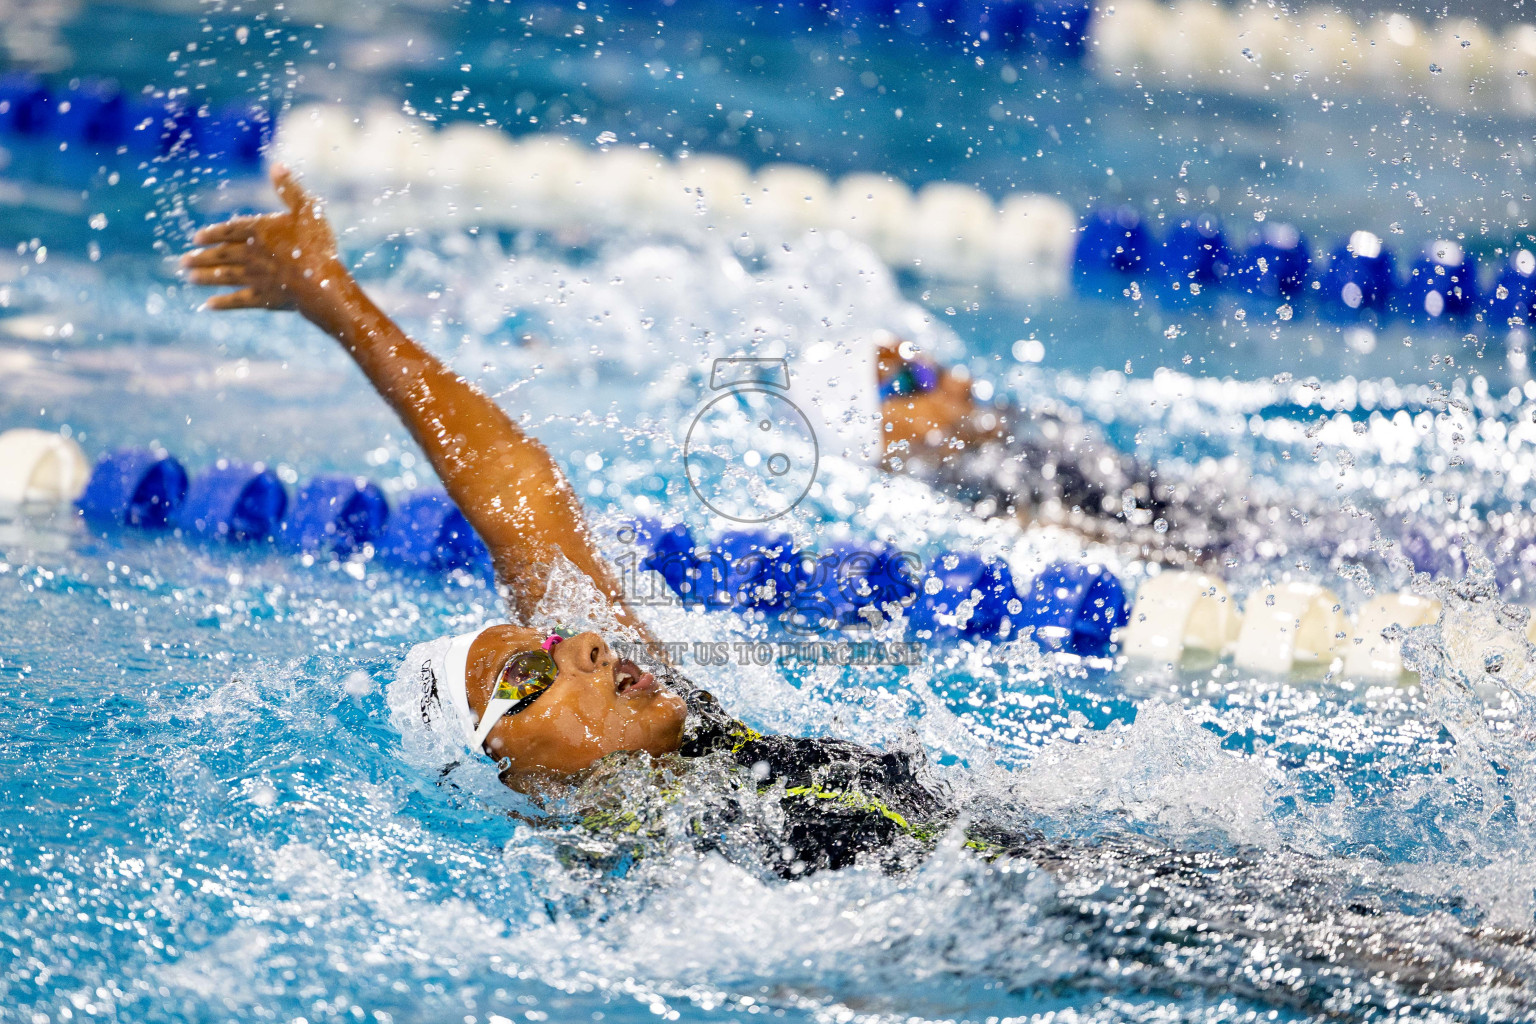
column 519, row 683
column 913, row 377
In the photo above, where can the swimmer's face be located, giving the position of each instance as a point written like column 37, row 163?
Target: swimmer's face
column 599, row 703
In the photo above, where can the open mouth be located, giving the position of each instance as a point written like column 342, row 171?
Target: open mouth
column 629, row 681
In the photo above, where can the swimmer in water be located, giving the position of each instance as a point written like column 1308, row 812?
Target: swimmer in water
column 1043, row 465
column 1046, row 464
column 1285, row 928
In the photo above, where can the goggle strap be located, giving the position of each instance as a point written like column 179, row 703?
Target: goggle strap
column 493, row 712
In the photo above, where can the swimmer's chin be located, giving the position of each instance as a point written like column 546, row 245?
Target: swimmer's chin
column 663, row 715
column 675, row 709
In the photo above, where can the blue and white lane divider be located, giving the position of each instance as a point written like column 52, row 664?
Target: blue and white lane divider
column 232, row 501
column 1069, row 607
column 97, row 115
column 428, row 533
column 1028, row 245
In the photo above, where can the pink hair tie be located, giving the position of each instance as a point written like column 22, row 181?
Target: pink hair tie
column 551, row 640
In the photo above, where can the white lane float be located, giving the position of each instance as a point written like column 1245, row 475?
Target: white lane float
column 390, row 151
column 1260, row 48
column 1370, row 655
column 1290, row 625
column 1177, row 613
column 954, row 233
column 878, row 209
column 638, row 185
column 40, row 467
column 1286, row 627
column 789, row 200
column 1036, row 237
column 1489, row 652
column 1115, row 38
column 1514, row 61
column 474, row 160
column 552, row 182
column 717, row 189
column 544, row 185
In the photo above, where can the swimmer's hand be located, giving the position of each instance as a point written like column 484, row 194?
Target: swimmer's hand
column 282, row 260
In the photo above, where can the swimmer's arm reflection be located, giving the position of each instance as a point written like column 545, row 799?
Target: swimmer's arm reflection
column 505, row 482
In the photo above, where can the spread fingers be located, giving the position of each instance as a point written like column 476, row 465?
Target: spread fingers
column 238, row 229
column 220, row 275
column 245, row 298
column 217, row 255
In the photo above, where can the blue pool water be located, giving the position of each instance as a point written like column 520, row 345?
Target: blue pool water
column 210, row 811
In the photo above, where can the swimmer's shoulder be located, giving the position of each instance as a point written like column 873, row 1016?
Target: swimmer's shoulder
column 824, row 762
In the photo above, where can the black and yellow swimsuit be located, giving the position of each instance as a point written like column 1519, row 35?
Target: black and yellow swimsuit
column 833, row 802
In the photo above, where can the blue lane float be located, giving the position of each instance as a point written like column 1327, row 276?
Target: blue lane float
column 237, row 503
column 232, row 501
column 1055, row 29
column 954, row 580
column 1113, row 243
column 850, row 584
column 1441, row 284
column 169, row 130
column 428, row 533
column 1075, row 608
column 1072, row 608
column 337, row 515
column 134, row 487
column 1194, row 252
column 26, row 105
column 94, row 114
column 827, row 589
column 235, row 135
column 757, row 569
column 1276, row 264
column 1059, row 28
column 671, row 552
column 98, row 114
column 1361, row 275
column 1510, row 300
column 992, row 26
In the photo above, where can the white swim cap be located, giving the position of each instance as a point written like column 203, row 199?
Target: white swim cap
column 437, row 670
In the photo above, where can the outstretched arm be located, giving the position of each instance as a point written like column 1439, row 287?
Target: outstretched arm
column 504, row 481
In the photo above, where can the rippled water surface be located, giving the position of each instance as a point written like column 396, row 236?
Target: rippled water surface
column 211, row 810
